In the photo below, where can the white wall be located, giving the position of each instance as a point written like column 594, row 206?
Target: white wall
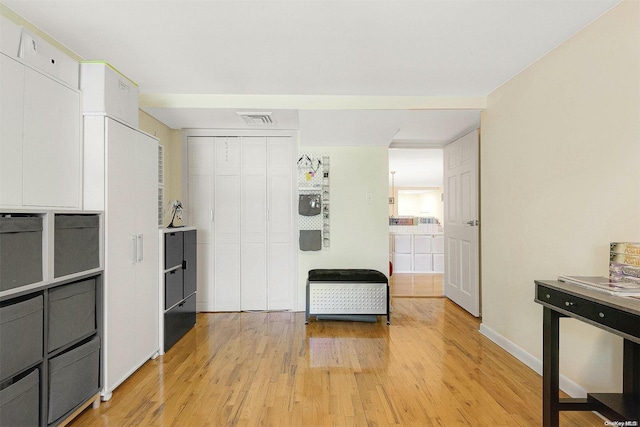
column 560, row 179
column 359, row 231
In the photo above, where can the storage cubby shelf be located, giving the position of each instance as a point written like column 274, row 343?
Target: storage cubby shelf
column 55, row 371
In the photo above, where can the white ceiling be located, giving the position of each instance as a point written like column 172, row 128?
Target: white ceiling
column 343, row 72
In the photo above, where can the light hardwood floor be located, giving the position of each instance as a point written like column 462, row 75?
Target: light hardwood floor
column 430, row 367
column 416, row 285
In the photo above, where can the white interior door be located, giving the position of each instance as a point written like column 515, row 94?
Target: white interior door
column 461, row 225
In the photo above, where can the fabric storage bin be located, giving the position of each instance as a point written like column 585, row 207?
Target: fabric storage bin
column 20, row 402
column 72, row 312
column 21, row 331
column 20, row 251
column 173, row 292
column 74, row 377
column 173, row 243
column 76, row 244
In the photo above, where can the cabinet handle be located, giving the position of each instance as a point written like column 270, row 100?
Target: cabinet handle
column 140, row 248
column 134, row 249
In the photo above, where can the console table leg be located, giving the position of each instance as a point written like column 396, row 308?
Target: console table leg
column 631, row 368
column 550, row 368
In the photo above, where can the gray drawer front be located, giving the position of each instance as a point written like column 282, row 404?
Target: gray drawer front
column 74, row 376
column 76, row 244
column 20, row 251
column 172, row 249
column 20, row 402
column 72, row 313
column 21, row 327
column 172, row 288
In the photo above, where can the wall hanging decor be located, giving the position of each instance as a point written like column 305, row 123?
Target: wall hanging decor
column 313, row 202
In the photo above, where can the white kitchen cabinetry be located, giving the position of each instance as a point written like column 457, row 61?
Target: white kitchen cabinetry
column 241, row 197
column 40, row 144
column 402, row 255
column 121, row 178
column 418, row 253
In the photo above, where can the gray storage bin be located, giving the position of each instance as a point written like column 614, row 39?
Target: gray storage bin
column 21, row 332
column 74, row 377
column 72, row 312
column 20, row 402
column 20, row 251
column 76, row 244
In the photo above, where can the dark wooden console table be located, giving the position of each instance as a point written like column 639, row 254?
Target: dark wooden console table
column 620, row 316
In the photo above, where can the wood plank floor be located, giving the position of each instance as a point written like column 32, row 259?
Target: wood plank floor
column 416, row 285
column 430, row 367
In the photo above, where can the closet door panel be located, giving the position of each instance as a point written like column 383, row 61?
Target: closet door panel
column 254, row 276
column 227, row 192
column 201, row 206
column 227, row 277
column 227, row 155
column 280, row 276
column 205, row 290
column 227, row 209
column 200, row 151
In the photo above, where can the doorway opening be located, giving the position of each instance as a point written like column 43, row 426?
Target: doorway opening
column 416, row 209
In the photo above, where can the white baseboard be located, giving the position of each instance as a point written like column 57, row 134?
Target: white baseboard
column 570, row 387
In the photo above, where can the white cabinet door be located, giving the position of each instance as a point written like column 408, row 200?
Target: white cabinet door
column 438, row 263
column 422, row 263
column 51, row 143
column 121, row 257
column 11, row 124
column 437, row 245
column 402, row 263
column 402, row 243
column 147, row 297
column 227, row 224
column 422, row 244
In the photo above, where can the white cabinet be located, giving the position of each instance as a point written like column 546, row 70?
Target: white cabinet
column 241, row 197
column 11, row 125
column 40, row 144
column 122, row 172
column 418, row 253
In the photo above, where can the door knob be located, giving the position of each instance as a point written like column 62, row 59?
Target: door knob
column 472, row 223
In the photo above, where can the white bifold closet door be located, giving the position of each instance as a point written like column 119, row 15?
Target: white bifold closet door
column 241, row 195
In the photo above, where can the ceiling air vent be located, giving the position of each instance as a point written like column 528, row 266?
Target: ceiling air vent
column 257, row 119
